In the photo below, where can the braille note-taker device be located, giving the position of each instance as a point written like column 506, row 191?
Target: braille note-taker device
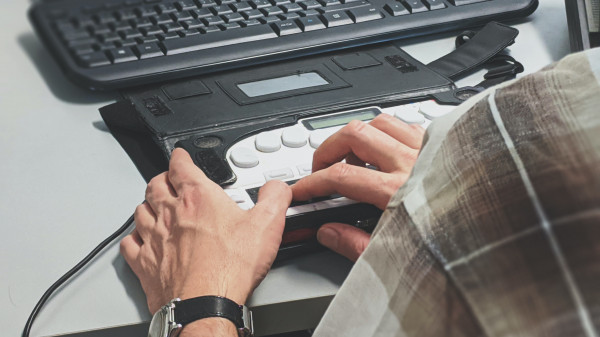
column 248, row 126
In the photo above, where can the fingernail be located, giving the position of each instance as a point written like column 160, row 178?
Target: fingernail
column 328, row 237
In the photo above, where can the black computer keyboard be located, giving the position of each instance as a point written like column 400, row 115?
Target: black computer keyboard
column 106, row 44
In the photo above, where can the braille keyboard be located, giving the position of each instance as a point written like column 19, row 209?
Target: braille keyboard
column 106, row 44
column 286, row 154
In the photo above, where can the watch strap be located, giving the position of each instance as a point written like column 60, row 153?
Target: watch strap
column 193, row 309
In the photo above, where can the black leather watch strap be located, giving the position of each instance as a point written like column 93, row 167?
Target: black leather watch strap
column 193, row 309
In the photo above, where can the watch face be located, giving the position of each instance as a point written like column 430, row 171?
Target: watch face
column 159, row 326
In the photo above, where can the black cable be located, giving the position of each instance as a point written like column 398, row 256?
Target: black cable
column 72, row 272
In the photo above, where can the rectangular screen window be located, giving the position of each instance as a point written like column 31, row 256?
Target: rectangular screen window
column 281, row 84
column 341, row 119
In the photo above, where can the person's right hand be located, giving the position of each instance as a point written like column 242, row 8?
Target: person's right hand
column 386, row 143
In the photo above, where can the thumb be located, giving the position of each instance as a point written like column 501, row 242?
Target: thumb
column 343, row 239
column 274, row 198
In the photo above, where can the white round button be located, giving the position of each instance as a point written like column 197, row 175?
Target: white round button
column 244, row 157
column 432, row 110
column 317, row 137
column 267, row 142
column 409, row 116
column 294, row 137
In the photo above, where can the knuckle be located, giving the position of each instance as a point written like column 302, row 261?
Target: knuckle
column 340, row 172
column 353, row 128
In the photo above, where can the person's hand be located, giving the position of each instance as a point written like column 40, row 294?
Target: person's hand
column 192, row 240
column 386, row 143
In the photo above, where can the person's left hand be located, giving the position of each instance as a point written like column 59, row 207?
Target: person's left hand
column 192, row 240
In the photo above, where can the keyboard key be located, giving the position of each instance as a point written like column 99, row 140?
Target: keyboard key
column 85, row 21
column 267, row 142
column 396, row 9
column 232, row 17
column 220, row 10
column 121, row 55
column 310, row 12
column 310, row 23
column 416, row 6
column 80, row 50
column 171, row 27
column 464, row 2
column 280, row 2
column 109, row 37
column 80, row 42
column 269, row 19
column 213, row 20
column 191, row 24
column 148, row 50
column 147, row 39
column 75, row 35
column 126, row 14
column 141, row 22
column 210, row 29
column 271, row 11
column 247, row 23
column 104, row 46
column 435, row 4
column 261, row 4
column 104, row 18
column 93, row 59
column 365, row 14
column 101, row 29
column 127, row 43
column 336, row 19
column 218, row 39
column 144, row 12
column 329, row 2
column 168, row 36
column 166, row 8
column 228, row 26
column 310, row 4
column 118, row 26
column 160, row 19
column 289, row 16
column 286, row 27
column 190, row 32
column 242, row 6
column 130, row 34
column 186, row 5
column 288, row 8
column 181, row 16
column 252, row 14
column 149, row 31
column 206, row 3
column 201, row 13
column 343, row 7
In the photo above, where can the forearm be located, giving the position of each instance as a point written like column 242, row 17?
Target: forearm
column 210, row 327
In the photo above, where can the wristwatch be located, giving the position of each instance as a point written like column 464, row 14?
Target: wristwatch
column 172, row 317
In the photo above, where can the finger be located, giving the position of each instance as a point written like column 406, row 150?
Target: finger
column 368, row 144
column 183, row 172
column 357, row 183
column 130, row 249
column 411, row 135
column 145, row 220
column 343, row 239
column 274, row 198
column 160, row 191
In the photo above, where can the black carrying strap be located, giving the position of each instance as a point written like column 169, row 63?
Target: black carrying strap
column 475, row 49
column 193, row 309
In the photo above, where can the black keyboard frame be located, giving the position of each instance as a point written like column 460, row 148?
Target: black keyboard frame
column 168, row 67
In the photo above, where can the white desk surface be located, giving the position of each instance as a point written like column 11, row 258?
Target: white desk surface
column 66, row 184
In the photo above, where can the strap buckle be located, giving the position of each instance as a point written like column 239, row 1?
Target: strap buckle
column 509, row 69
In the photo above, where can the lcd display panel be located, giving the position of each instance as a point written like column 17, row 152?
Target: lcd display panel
column 282, row 84
column 341, row 119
